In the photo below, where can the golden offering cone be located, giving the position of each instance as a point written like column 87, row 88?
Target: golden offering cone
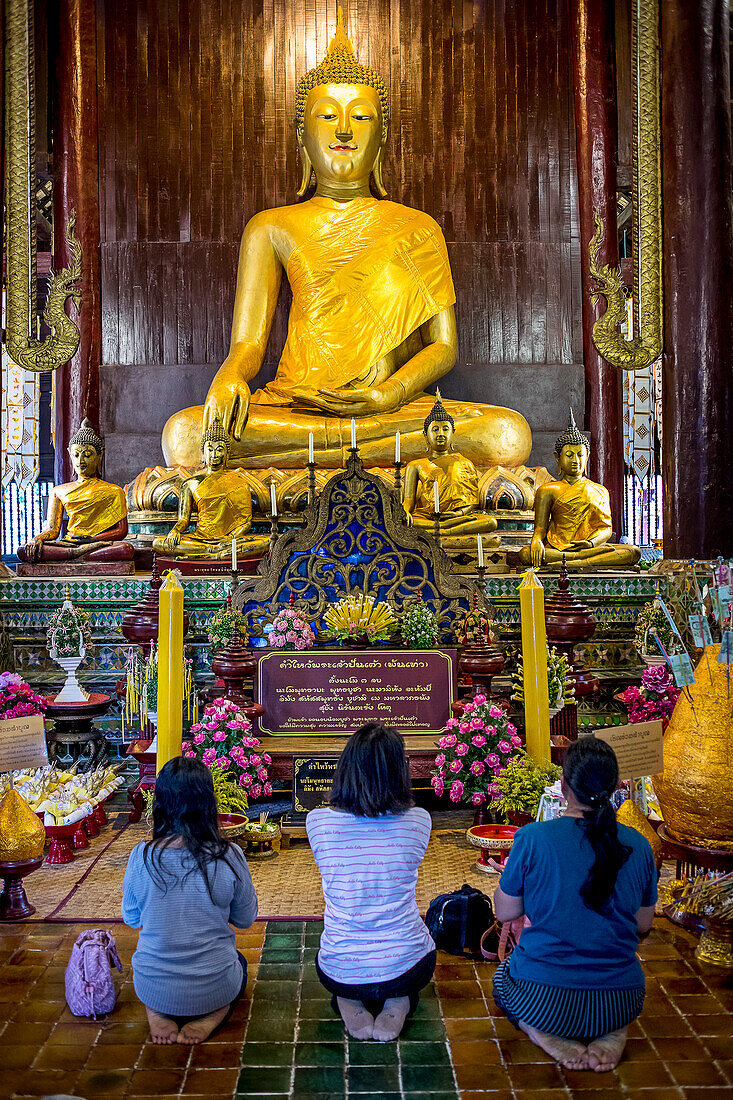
column 22, row 834
column 695, row 791
column 629, row 813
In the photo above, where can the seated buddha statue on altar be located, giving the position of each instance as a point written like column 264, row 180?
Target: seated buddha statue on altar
column 572, row 515
column 456, row 478
column 372, row 320
column 95, row 513
column 222, row 498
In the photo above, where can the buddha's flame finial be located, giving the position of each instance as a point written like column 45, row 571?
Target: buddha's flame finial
column 340, row 43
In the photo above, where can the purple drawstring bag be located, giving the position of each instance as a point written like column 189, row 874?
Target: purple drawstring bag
column 90, row 990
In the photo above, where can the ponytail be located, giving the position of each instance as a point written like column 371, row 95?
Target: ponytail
column 590, row 769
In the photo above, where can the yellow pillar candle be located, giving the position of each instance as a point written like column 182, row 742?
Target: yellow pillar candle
column 534, row 658
column 170, row 671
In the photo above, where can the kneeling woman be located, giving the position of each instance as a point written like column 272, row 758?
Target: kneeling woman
column 588, row 887
column 376, row 953
column 183, row 889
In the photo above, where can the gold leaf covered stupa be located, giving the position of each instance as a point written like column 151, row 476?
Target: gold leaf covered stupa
column 629, row 813
column 695, row 792
column 22, row 834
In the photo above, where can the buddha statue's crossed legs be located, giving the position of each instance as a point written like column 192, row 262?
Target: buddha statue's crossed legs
column 277, row 435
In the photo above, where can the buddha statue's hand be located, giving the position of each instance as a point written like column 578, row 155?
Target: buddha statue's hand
column 346, row 402
column 537, row 551
column 171, row 540
column 409, row 521
column 583, row 544
column 35, row 548
column 228, row 399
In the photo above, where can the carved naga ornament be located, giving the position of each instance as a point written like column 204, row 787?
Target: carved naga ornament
column 23, row 345
column 647, row 214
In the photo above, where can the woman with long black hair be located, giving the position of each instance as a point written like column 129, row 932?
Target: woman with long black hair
column 588, row 886
column 183, row 889
column 376, row 953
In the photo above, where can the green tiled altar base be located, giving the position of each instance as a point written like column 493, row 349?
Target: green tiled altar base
column 25, row 604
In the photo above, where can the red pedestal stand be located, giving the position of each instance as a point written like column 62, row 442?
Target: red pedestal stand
column 14, row 904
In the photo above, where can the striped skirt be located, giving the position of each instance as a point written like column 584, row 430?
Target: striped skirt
column 568, row 1013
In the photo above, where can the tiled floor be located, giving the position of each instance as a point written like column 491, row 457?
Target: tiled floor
column 284, row 1040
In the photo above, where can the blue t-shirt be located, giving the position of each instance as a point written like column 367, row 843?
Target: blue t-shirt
column 568, row 944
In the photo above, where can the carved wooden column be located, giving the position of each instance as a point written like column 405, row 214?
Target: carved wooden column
column 73, row 58
column 595, row 141
column 698, row 279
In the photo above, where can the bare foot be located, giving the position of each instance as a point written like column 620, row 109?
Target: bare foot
column 358, row 1022
column 604, row 1054
column 568, row 1052
column 391, row 1019
column 198, row 1030
column 162, row 1028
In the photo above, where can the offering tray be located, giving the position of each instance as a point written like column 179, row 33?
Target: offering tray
column 496, row 839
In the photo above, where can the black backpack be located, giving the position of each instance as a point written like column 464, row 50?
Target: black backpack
column 457, row 921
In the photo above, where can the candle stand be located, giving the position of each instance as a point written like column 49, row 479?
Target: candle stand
column 398, row 481
column 311, row 483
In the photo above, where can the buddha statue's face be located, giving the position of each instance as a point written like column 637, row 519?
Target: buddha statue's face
column 215, row 454
column 572, row 460
column 439, row 435
column 84, row 459
column 342, row 131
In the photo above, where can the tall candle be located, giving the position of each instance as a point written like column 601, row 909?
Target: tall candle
column 397, row 447
column 353, row 434
column 170, row 671
column 273, row 501
column 534, row 658
column 480, row 542
column 436, row 497
column 234, row 555
column 310, row 447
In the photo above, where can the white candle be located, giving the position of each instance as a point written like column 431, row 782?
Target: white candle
column 436, row 497
column 353, row 434
column 397, row 447
column 310, row 447
column 480, row 542
column 273, row 502
column 234, row 555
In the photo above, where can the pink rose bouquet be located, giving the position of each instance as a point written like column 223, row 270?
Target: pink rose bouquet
column 223, row 739
column 655, row 699
column 289, row 630
column 473, row 751
column 17, row 698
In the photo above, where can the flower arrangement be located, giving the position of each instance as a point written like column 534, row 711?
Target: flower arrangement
column 222, row 740
column 17, row 698
column 69, row 631
column 289, row 630
column 223, row 625
column 419, row 626
column 522, row 784
column 655, row 699
column 476, row 629
column 651, row 620
column 361, row 617
column 560, row 687
column 473, row 752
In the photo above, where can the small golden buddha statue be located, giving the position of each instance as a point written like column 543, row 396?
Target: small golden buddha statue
column 372, row 322
column 223, row 499
column 95, row 510
column 572, row 515
column 455, row 476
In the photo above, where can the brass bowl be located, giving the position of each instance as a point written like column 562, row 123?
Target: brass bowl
column 232, row 825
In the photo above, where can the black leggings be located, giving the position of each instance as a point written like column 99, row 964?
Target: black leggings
column 373, row 994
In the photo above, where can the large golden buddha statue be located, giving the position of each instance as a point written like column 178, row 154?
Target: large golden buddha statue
column 456, row 478
column 372, row 322
column 95, row 511
column 222, row 498
column 572, row 515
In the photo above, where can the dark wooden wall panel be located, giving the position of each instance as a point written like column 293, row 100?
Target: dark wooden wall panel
column 196, row 109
